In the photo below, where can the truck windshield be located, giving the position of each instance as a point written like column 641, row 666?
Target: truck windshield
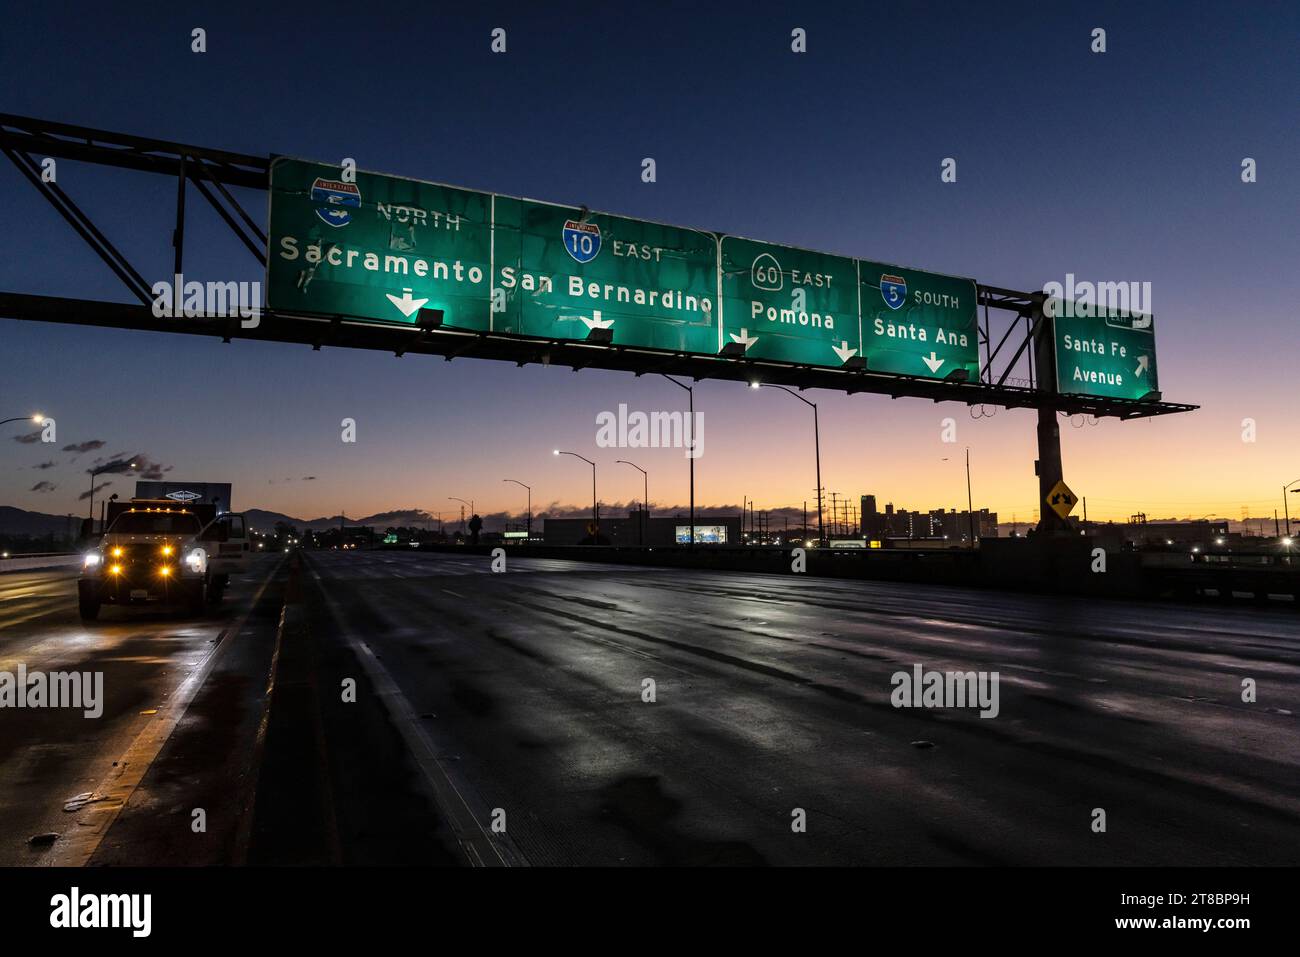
column 155, row 523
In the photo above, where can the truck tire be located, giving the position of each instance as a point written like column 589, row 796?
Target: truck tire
column 88, row 603
column 198, row 599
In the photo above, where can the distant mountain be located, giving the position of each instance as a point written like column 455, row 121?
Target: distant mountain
column 17, row 521
column 262, row 519
column 20, row 522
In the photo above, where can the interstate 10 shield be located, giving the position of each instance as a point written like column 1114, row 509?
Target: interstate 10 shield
column 563, row 275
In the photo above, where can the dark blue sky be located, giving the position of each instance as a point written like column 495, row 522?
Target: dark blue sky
column 1121, row 166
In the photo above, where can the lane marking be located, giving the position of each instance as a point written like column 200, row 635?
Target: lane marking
column 480, row 848
column 78, row 843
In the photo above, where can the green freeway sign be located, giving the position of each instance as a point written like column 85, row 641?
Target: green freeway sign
column 789, row 304
column 384, row 248
column 381, row 247
column 918, row 323
column 563, row 275
column 1109, row 356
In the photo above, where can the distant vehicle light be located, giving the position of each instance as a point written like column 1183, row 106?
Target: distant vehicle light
column 165, row 571
column 167, row 550
column 115, row 569
column 1218, row 541
column 1287, row 542
column 117, row 553
column 90, row 560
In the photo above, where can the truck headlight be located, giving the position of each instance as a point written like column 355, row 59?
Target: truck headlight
column 90, row 560
column 197, row 560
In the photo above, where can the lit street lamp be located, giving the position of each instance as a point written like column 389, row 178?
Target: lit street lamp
column 595, row 517
column 817, row 445
column 37, row 419
column 645, row 498
column 530, row 503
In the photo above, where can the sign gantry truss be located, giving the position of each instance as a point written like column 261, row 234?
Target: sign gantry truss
column 1002, row 369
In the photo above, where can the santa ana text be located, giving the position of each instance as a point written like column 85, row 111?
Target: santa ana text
column 917, row 333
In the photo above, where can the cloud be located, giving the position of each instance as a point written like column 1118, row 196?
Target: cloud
column 44, row 487
column 309, row 478
column 79, row 447
column 29, row 438
column 144, row 467
column 45, row 465
column 95, row 490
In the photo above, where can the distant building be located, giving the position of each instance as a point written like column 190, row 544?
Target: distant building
column 658, row 531
column 952, row 525
column 186, row 493
column 1200, row 532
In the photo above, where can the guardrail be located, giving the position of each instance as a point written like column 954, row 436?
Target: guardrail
column 32, row 562
column 1061, row 566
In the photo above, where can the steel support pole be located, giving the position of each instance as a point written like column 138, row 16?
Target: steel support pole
column 1048, row 467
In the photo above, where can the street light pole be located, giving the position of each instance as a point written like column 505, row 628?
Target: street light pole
column 452, row 498
column 530, row 503
column 645, row 497
column 37, row 419
column 595, row 516
column 970, row 506
column 1285, row 507
column 690, row 390
column 817, row 445
column 94, row 472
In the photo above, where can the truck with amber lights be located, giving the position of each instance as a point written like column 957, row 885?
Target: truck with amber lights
column 154, row 551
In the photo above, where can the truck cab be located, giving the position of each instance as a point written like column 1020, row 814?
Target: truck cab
column 151, row 551
column 225, row 539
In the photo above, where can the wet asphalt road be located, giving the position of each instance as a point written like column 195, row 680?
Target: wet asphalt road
column 49, row 756
column 773, row 694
